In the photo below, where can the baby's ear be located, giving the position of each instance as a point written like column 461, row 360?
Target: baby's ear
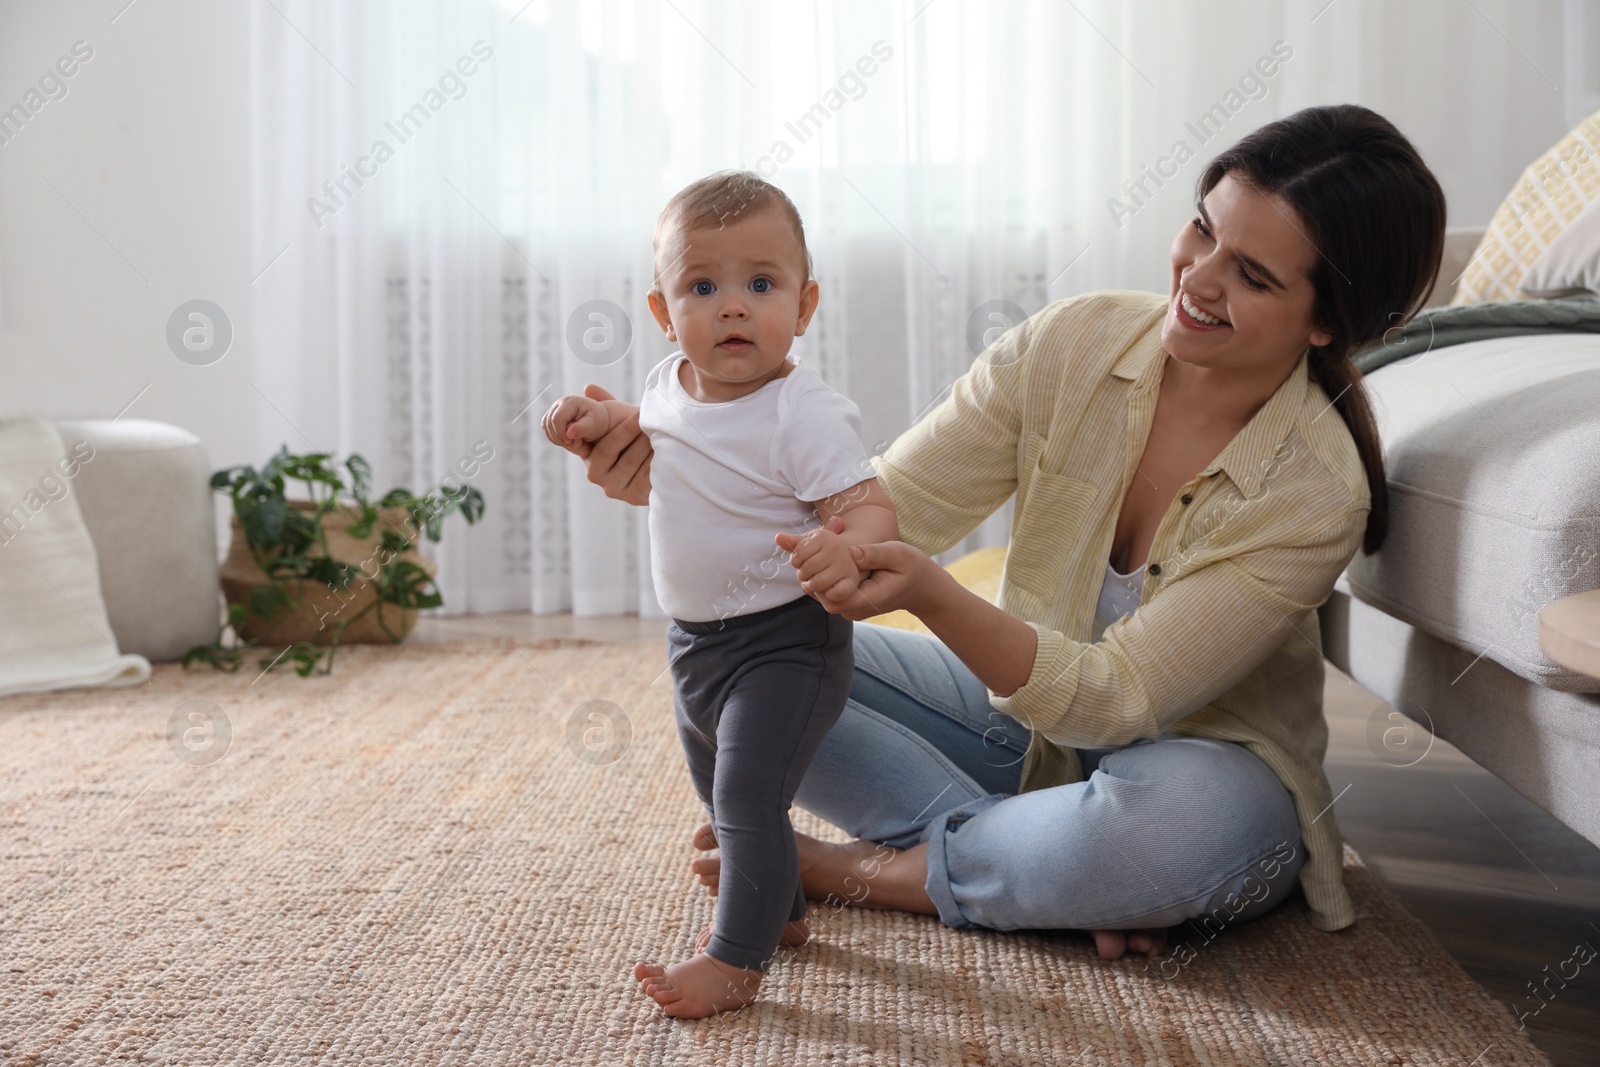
column 809, row 294
column 658, row 309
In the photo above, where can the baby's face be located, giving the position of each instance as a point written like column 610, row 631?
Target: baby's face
column 735, row 297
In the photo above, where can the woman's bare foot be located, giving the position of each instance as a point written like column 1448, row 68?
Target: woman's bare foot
column 795, row 934
column 1111, row 944
column 709, row 868
column 828, row 869
column 699, row 986
column 862, row 873
column 858, row 872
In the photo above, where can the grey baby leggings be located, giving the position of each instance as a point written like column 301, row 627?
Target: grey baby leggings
column 755, row 695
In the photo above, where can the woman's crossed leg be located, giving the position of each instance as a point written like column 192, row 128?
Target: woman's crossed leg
column 922, row 771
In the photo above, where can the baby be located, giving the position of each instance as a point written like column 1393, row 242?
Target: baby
column 747, row 446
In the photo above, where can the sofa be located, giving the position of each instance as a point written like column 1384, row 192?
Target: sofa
column 1492, row 450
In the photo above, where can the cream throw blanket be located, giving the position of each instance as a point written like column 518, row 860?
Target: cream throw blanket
column 54, row 633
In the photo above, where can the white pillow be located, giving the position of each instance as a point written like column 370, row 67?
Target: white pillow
column 1570, row 267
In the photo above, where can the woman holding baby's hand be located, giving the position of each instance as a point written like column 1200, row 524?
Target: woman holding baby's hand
column 894, row 577
column 620, row 460
column 1132, row 737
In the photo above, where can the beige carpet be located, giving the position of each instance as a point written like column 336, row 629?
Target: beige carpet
column 448, row 854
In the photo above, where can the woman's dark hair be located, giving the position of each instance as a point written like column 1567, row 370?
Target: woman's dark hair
column 1376, row 215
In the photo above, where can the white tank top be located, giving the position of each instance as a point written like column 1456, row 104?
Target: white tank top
column 1119, row 596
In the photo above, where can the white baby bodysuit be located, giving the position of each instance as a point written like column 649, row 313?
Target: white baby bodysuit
column 725, row 478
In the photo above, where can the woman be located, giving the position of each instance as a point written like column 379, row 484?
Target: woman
column 1133, row 737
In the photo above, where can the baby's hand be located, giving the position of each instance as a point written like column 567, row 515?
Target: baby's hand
column 825, row 565
column 576, row 418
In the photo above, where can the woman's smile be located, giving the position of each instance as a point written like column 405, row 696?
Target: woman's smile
column 1196, row 317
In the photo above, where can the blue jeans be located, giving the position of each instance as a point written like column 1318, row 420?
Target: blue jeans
column 1162, row 830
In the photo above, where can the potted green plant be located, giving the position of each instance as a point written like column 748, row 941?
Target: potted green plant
column 337, row 566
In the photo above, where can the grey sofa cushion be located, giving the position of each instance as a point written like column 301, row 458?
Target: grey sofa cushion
column 1493, row 456
column 146, row 499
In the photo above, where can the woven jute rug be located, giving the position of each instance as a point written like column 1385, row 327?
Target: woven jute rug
column 455, row 854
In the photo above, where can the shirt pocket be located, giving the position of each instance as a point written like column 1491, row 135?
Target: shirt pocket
column 1047, row 529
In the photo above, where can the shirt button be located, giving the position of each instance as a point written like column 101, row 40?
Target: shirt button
column 1155, row 568
column 1186, row 499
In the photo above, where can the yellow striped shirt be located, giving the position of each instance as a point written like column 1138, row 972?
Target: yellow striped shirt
column 1225, row 642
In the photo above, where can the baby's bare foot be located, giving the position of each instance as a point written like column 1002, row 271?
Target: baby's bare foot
column 700, row 986
column 794, row 934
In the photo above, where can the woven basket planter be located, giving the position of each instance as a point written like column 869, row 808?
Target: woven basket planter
column 320, row 609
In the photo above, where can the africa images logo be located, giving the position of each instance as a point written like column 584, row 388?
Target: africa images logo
column 338, row 191
column 1253, row 85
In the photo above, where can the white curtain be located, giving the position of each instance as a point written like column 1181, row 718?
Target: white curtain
column 454, row 202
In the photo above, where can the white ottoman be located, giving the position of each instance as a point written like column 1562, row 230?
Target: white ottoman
column 146, row 498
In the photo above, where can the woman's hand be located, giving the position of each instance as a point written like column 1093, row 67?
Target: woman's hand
column 895, row 576
column 619, row 462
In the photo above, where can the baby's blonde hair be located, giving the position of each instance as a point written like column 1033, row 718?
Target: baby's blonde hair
column 720, row 198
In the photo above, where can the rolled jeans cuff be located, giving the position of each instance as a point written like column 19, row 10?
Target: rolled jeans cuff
column 937, row 883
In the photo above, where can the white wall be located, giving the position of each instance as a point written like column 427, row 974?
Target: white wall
column 151, row 145
column 1481, row 89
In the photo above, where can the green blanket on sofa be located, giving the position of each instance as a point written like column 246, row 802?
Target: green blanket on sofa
column 1456, row 324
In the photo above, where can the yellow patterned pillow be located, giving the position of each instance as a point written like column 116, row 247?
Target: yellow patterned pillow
column 1552, row 192
column 978, row 571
